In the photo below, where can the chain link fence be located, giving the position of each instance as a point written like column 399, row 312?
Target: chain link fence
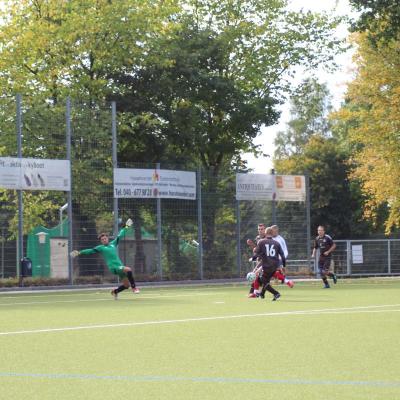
column 172, row 239
column 367, row 257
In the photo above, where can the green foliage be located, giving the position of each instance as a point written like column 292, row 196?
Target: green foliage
column 380, row 18
column 40, row 208
column 310, row 106
column 194, row 72
column 194, row 81
column 57, row 48
column 329, row 186
column 370, row 119
column 312, row 146
column 224, row 67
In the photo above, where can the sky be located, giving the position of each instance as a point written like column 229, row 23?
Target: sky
column 336, row 82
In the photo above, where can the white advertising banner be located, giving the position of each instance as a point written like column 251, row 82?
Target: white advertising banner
column 270, row 187
column 357, row 254
column 290, row 188
column 154, row 183
column 254, row 187
column 34, row 174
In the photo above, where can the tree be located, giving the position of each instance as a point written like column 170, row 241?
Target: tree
column 315, row 146
column 329, row 185
column 380, row 18
column 310, row 106
column 371, row 114
column 52, row 49
column 209, row 102
column 232, row 49
column 195, row 80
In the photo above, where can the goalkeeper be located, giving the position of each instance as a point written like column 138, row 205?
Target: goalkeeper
column 109, row 251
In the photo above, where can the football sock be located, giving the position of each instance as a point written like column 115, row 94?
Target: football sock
column 325, row 280
column 279, row 275
column 130, row 278
column 120, row 289
column 269, row 288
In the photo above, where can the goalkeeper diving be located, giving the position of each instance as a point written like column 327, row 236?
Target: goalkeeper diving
column 109, row 251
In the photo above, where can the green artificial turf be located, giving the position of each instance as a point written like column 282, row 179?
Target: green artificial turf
column 206, row 342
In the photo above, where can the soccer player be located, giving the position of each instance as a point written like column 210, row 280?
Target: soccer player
column 270, row 251
column 109, row 251
column 280, row 272
column 255, row 286
column 325, row 244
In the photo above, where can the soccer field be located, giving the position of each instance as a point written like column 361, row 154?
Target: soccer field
column 205, row 342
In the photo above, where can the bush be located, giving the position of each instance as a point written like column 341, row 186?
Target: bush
column 10, row 282
column 40, row 281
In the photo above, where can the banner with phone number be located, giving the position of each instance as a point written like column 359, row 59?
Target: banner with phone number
column 154, row 183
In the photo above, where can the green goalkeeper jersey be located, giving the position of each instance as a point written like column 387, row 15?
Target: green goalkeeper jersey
column 109, row 252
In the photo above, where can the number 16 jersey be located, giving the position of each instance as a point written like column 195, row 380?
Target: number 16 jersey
column 269, row 251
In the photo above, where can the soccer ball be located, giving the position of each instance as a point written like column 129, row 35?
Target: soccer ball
column 251, row 277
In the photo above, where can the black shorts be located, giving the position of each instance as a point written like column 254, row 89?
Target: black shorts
column 267, row 274
column 324, row 264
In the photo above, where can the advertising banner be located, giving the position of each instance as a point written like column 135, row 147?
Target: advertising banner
column 154, row 183
column 254, row 187
column 290, row 188
column 34, row 174
column 357, row 253
column 270, row 187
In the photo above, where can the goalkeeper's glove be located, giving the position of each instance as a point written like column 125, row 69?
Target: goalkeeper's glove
column 74, row 253
column 128, row 223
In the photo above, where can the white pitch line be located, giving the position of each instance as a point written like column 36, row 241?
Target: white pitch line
column 51, row 302
column 99, row 291
column 229, row 286
column 358, row 312
column 214, row 318
column 52, row 294
column 137, row 296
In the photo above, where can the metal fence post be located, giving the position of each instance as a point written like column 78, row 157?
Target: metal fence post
column 20, row 247
column 308, row 218
column 238, row 247
column 2, row 252
column 159, row 234
column 114, row 160
column 389, row 257
column 200, row 225
column 273, row 203
column 348, row 256
column 69, row 195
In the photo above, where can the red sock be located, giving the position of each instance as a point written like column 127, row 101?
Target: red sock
column 279, row 275
column 256, row 284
